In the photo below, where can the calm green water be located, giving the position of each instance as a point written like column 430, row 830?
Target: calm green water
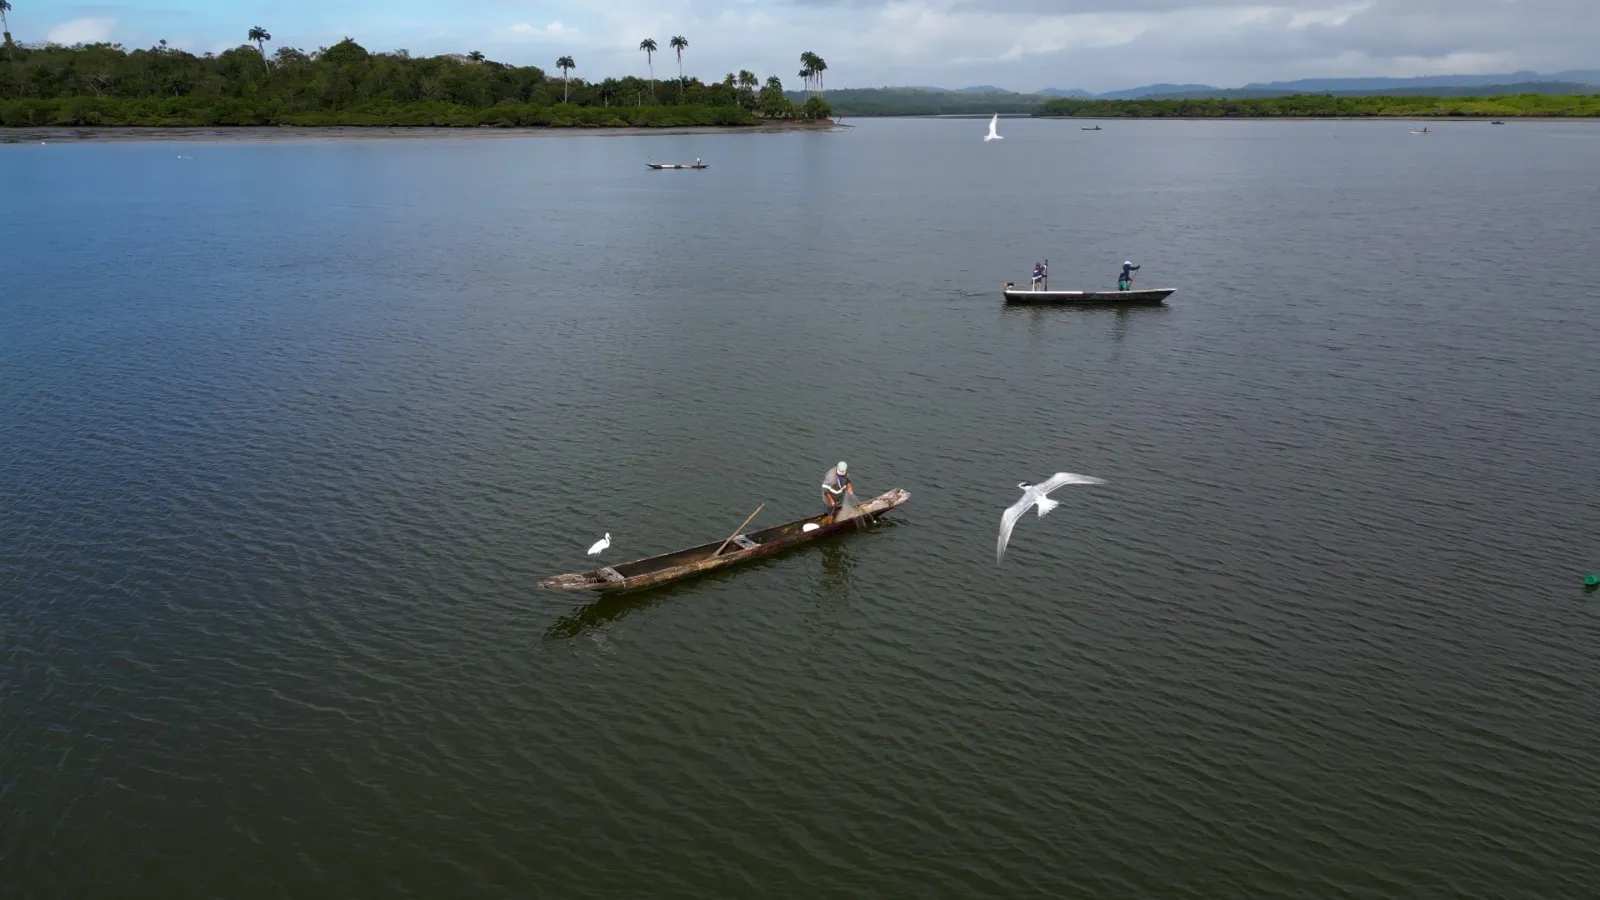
column 290, row 430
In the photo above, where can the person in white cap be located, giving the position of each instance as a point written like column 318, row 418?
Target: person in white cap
column 1126, row 278
column 835, row 485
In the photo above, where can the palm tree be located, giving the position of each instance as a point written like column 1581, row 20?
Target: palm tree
column 679, row 43
column 5, row 6
column 608, row 89
column 818, row 66
column 257, row 34
column 648, row 45
column 565, row 64
column 813, row 69
column 476, row 56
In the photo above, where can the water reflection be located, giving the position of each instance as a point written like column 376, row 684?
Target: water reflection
column 1121, row 314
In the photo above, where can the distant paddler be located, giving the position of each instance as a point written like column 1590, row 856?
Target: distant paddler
column 837, row 491
column 1126, row 278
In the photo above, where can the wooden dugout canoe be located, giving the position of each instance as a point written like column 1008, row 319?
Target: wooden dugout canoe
column 669, row 567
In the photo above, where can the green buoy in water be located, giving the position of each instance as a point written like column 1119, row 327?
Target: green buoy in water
column 1591, row 580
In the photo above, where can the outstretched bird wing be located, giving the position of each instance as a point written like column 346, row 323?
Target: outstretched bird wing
column 1008, row 521
column 1062, row 479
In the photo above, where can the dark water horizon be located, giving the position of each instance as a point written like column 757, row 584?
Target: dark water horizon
column 293, row 429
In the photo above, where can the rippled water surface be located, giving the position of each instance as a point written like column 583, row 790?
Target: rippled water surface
column 289, row 431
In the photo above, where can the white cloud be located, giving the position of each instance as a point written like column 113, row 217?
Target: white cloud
column 92, row 30
column 1328, row 17
column 524, row 31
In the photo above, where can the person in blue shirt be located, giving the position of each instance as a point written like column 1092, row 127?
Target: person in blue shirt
column 1038, row 275
column 1126, row 278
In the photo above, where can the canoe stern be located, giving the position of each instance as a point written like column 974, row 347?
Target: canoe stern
column 576, row 582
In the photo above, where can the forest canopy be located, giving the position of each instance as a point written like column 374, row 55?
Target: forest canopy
column 107, row 84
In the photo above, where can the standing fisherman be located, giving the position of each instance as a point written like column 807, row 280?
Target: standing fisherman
column 836, row 487
column 1126, row 278
column 1038, row 275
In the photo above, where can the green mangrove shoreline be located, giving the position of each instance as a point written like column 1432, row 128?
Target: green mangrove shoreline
column 108, row 85
column 147, row 113
column 228, row 133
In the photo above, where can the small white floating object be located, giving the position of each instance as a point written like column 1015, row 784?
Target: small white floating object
column 600, row 545
column 810, row 526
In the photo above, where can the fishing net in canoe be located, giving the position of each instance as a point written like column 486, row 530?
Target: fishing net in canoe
column 848, row 508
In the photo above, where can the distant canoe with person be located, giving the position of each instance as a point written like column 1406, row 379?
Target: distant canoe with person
column 658, row 570
column 1039, row 293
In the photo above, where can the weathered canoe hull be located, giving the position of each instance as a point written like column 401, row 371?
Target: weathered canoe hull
column 658, row 570
column 1059, row 297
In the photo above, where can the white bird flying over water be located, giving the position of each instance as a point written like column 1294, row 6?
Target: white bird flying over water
column 993, row 134
column 600, row 545
column 1035, row 495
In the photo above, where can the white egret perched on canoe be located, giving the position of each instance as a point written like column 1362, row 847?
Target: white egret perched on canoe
column 1035, row 495
column 600, row 545
column 994, row 134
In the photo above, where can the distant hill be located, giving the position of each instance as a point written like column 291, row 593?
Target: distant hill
column 1422, row 86
column 988, row 99
column 1473, row 90
column 1156, row 90
column 1410, row 85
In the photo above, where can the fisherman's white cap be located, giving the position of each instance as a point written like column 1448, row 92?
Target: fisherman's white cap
column 841, row 467
column 1127, row 262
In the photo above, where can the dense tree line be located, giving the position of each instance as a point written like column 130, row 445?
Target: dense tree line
column 917, row 102
column 1328, row 105
column 106, row 84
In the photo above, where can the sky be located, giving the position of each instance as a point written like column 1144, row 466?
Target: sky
column 1020, row 45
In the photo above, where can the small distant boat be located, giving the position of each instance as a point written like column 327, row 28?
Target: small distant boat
column 1057, row 298
column 670, row 567
column 1497, row 122
column 697, row 164
column 1096, row 128
column 1425, row 130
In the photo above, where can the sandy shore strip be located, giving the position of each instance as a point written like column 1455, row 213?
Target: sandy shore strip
column 60, row 134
